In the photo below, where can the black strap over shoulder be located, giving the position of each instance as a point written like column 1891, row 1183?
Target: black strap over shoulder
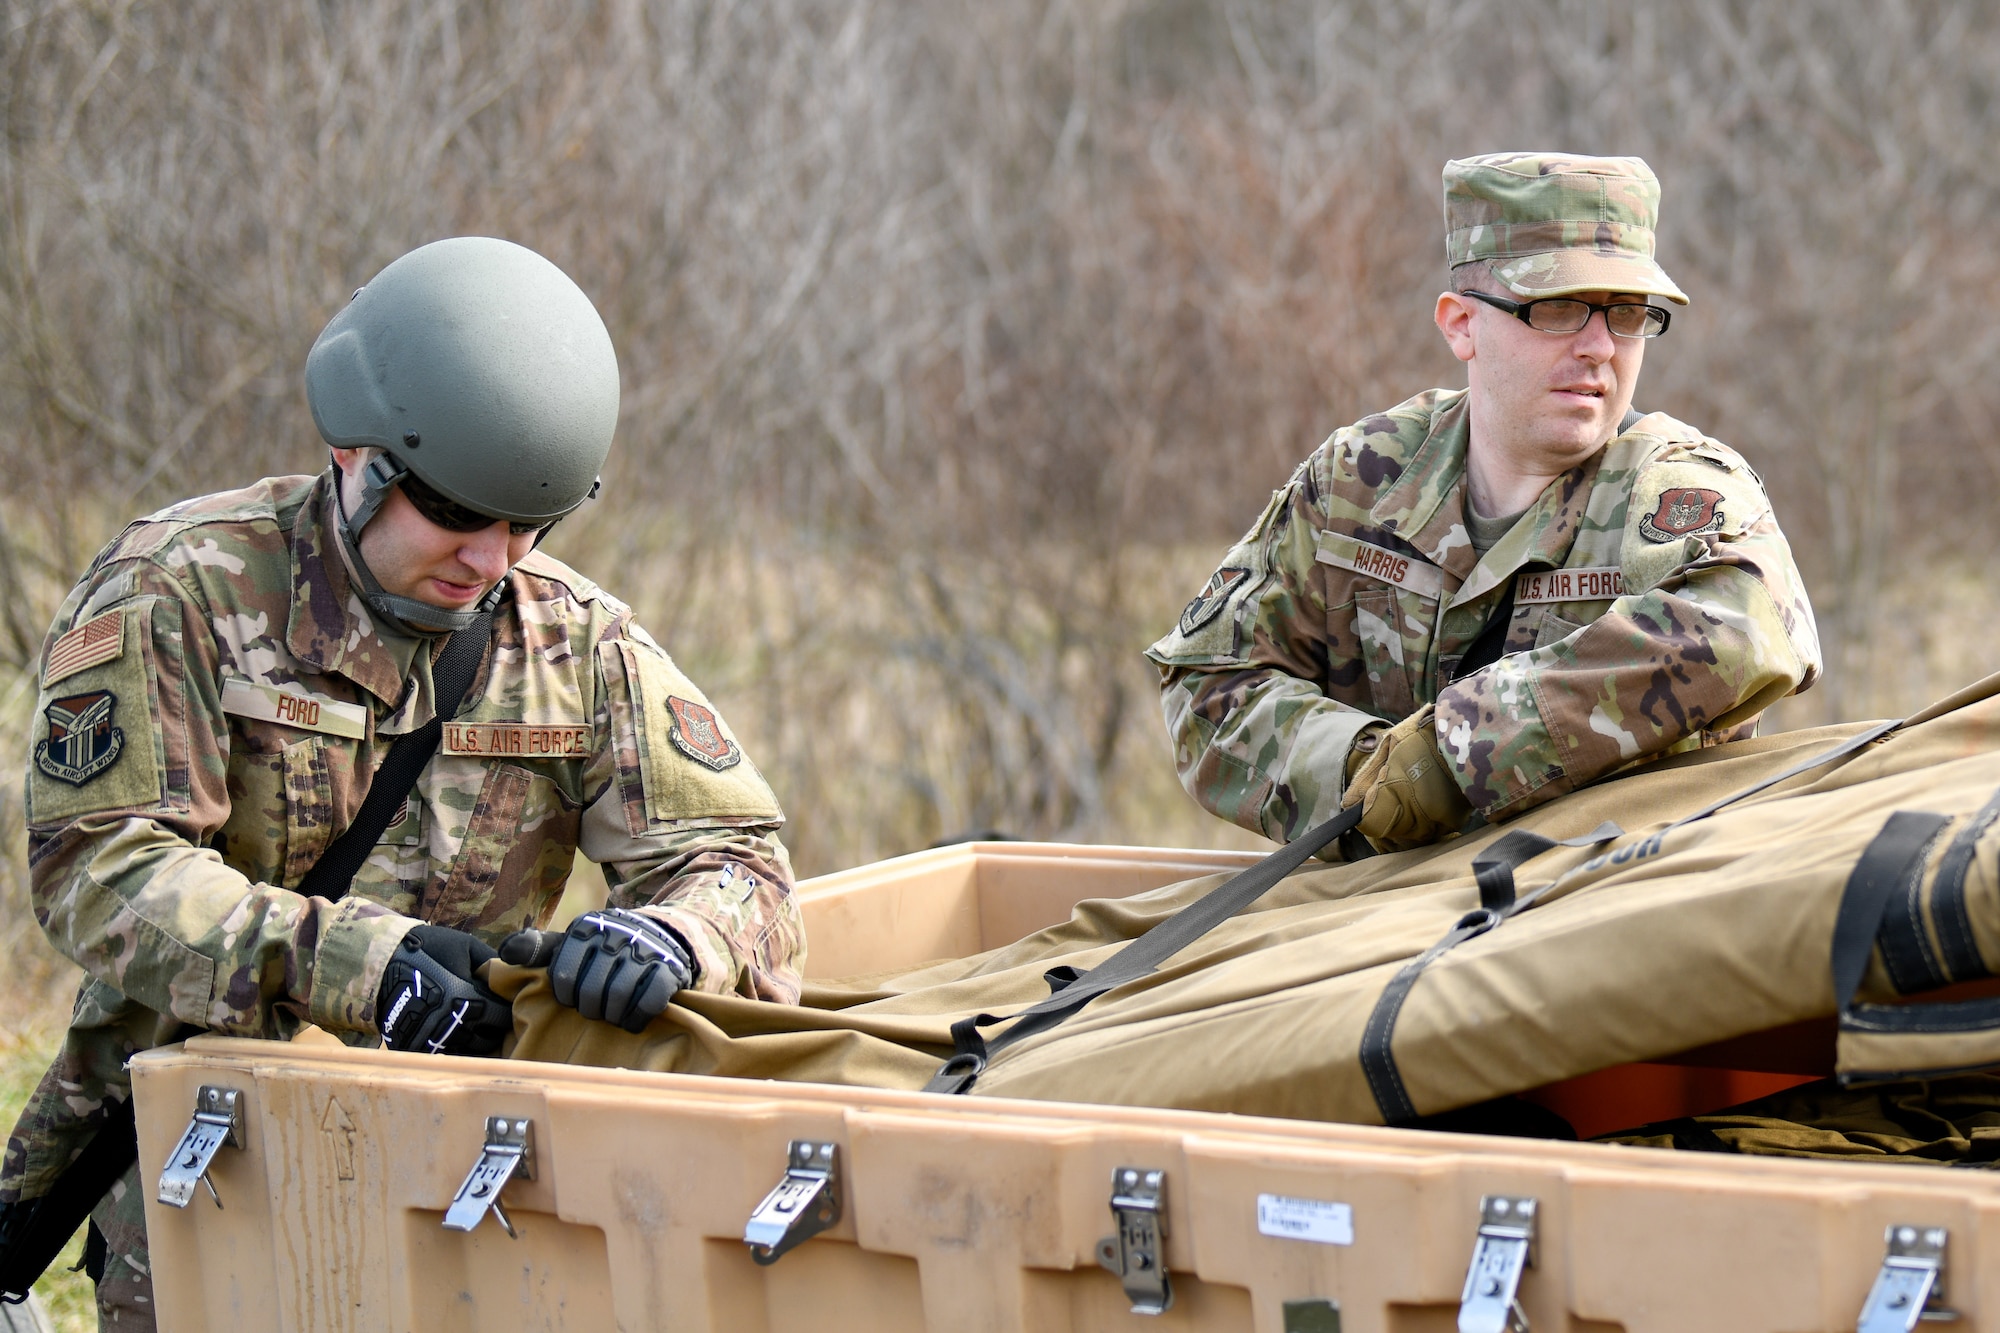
column 451, row 677
column 33, row 1231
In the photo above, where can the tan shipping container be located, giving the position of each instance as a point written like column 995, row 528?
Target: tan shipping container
column 630, row 1206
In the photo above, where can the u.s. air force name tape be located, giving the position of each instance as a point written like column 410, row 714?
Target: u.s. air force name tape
column 1597, row 584
column 517, row 739
column 1405, row 571
column 293, row 708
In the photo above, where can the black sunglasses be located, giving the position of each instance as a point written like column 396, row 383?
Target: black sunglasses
column 453, row 516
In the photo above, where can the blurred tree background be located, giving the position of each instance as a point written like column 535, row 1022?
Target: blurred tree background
column 960, row 337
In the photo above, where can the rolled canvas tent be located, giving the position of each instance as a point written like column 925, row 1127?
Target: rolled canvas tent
column 1664, row 934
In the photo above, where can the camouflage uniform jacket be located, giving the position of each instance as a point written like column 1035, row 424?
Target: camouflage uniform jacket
column 214, row 701
column 1656, row 608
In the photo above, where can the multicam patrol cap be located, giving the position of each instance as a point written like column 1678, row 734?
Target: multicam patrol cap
column 1554, row 224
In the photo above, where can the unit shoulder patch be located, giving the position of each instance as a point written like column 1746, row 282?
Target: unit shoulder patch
column 698, row 735
column 90, row 644
column 82, row 741
column 1684, row 511
column 1208, row 603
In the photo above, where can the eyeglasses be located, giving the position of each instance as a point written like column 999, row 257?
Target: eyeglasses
column 453, row 516
column 1566, row 314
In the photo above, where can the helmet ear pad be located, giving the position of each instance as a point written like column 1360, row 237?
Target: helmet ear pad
column 479, row 366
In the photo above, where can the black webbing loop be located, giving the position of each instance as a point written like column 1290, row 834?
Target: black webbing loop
column 451, row 677
column 1140, row 958
column 1894, row 862
column 1493, row 869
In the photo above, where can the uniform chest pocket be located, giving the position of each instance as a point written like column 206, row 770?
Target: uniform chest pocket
column 1384, row 619
column 508, row 835
column 280, row 811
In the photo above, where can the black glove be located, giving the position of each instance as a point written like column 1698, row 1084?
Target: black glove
column 613, row 965
column 431, row 1000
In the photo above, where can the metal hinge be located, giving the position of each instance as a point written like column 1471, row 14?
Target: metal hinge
column 1910, row 1284
column 1138, row 1253
column 1504, row 1250
column 509, row 1151
column 218, row 1120
column 803, row 1204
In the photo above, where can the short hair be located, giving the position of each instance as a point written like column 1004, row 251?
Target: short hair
column 1475, row 276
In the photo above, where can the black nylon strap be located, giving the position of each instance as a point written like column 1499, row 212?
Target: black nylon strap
column 451, row 677
column 1494, row 870
column 46, row 1223
column 1954, row 923
column 1140, row 958
column 1893, row 861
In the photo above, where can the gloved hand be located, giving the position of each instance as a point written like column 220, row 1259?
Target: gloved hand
column 1407, row 793
column 613, row 965
column 431, row 999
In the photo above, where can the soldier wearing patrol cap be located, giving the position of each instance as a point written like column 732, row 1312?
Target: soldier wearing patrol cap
column 234, row 675
column 1485, row 597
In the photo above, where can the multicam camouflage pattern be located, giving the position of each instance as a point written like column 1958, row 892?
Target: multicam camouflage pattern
column 1628, row 640
column 165, row 875
column 1551, row 223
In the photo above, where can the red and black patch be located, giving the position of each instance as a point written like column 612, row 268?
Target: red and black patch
column 1208, row 603
column 82, row 742
column 698, row 735
column 1685, row 511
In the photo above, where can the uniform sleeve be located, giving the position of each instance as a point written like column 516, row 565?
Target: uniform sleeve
column 1255, row 738
column 686, row 827
column 1716, row 629
column 126, row 786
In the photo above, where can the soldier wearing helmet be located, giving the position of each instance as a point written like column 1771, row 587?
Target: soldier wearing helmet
column 235, row 674
column 1485, row 597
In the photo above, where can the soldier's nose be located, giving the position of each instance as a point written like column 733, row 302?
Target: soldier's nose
column 485, row 551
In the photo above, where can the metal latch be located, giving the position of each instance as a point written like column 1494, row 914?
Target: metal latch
column 1504, row 1250
column 509, row 1151
column 1137, row 1254
column 803, row 1204
column 1910, row 1284
column 218, row 1120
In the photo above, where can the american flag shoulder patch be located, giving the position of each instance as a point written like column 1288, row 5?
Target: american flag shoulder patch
column 90, row 644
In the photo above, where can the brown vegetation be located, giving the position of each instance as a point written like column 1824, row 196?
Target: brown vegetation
column 958, row 337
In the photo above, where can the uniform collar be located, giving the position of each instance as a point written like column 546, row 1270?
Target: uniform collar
column 1541, row 536
column 1425, row 505
column 329, row 628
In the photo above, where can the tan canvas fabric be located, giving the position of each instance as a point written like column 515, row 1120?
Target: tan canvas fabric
column 1644, row 947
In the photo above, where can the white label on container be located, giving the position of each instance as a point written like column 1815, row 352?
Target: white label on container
column 1305, row 1219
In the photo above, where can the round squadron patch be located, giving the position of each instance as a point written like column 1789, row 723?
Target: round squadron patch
column 82, row 742
column 1208, row 603
column 699, row 736
column 1685, row 511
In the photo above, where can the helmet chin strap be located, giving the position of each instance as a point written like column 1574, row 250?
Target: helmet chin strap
column 405, row 614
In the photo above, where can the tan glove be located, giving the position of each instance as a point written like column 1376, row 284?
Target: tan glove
column 1406, row 791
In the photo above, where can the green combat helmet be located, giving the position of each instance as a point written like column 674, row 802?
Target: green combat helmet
column 479, row 367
